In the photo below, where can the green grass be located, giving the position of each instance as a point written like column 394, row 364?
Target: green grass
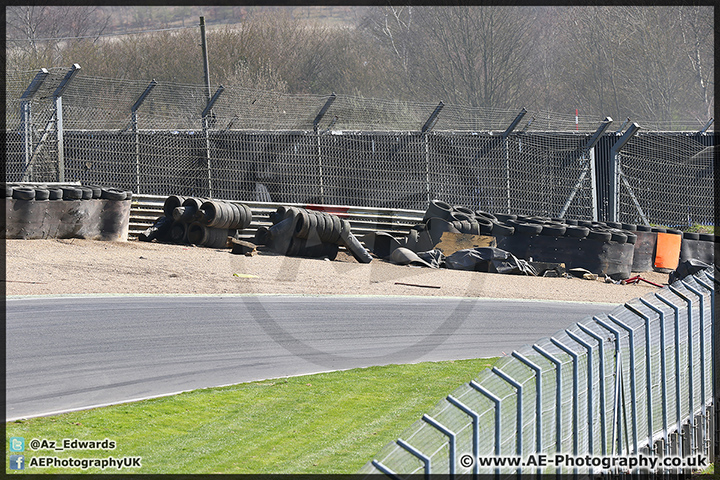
column 326, row 423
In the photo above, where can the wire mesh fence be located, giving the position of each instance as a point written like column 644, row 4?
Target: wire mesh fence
column 636, row 380
column 247, row 145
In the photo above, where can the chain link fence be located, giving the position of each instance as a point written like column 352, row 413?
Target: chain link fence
column 246, row 145
column 637, row 380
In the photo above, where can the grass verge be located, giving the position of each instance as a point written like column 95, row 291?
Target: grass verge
column 326, row 423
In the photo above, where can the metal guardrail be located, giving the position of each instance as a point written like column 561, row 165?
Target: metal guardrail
column 146, row 209
column 635, row 381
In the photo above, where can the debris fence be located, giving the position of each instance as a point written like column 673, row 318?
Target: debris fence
column 236, row 144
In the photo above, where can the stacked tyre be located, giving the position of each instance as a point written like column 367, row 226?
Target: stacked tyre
column 66, row 211
column 299, row 232
column 199, row 221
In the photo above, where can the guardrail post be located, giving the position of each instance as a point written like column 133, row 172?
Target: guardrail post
column 633, row 373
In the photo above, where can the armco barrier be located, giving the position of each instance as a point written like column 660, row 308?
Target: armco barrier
column 637, row 380
column 146, row 209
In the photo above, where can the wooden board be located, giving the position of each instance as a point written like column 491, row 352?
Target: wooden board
column 451, row 242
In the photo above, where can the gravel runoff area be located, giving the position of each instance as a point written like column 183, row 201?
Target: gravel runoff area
column 78, row 266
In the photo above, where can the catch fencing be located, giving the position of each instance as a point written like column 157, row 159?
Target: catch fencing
column 237, row 144
column 637, row 380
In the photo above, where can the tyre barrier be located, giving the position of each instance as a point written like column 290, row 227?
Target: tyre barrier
column 40, row 211
column 299, row 232
column 198, row 221
column 613, row 249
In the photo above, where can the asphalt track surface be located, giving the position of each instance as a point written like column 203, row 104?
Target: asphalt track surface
column 76, row 352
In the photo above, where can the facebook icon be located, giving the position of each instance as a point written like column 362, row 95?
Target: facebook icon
column 17, row 462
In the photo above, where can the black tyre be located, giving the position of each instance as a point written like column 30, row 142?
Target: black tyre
column 87, row 193
column 658, row 229
column 178, row 232
column 502, row 229
column 464, row 210
column 691, row 236
column 674, row 231
column 71, row 193
column 631, row 237
column 23, row 193
column 707, row 237
column 643, row 228
column 8, row 190
column 585, row 223
column 461, row 217
column 171, row 203
column 599, row 235
column 488, row 215
column 113, row 194
column 630, row 227
column 42, row 194
column 576, row 231
column 570, row 221
column 614, row 224
column 438, row 208
column 55, row 194
column 302, row 226
column 96, row 190
column 618, row 237
column 553, row 230
column 527, row 228
column 504, row 217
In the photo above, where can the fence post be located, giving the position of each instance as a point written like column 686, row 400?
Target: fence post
column 316, row 129
column 588, row 149
column 601, row 376
column 589, row 348
column 208, row 121
column 57, row 98
column 451, row 441
column 538, row 399
column 663, row 370
column 476, row 429
column 614, row 196
column 498, row 420
column 429, row 124
column 505, row 136
column 576, row 392
column 26, row 119
column 417, row 454
column 678, row 401
column 136, row 133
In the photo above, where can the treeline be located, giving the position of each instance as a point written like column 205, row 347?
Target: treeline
column 653, row 62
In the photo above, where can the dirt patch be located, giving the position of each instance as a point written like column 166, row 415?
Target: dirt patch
column 76, row 266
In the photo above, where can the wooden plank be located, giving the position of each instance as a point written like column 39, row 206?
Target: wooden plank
column 451, row 242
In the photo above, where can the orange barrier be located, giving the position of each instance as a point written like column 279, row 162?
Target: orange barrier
column 667, row 250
